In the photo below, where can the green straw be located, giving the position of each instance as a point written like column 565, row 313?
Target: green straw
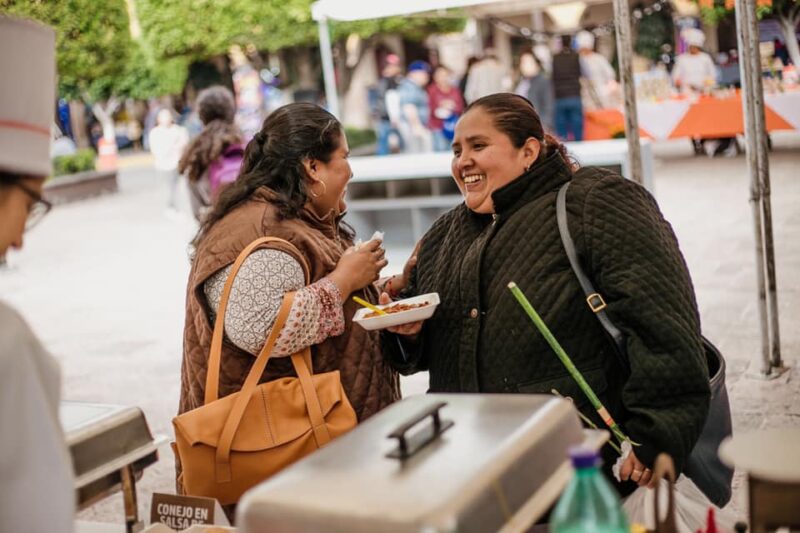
column 573, row 370
column 587, row 420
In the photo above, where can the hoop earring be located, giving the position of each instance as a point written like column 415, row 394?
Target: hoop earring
column 324, row 189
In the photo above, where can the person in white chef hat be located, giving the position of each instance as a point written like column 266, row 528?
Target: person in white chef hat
column 36, row 479
column 694, row 70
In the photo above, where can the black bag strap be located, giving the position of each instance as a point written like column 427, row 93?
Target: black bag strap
column 593, row 298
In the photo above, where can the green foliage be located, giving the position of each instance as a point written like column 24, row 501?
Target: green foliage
column 359, row 137
column 655, row 30
column 146, row 77
column 718, row 11
column 92, row 41
column 412, row 28
column 203, row 28
column 80, row 161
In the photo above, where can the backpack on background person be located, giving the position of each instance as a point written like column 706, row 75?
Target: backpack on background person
column 225, row 168
column 221, row 172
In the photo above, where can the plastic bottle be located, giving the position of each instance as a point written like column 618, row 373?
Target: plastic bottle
column 589, row 504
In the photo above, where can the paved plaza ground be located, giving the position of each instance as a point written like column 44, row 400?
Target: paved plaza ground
column 103, row 281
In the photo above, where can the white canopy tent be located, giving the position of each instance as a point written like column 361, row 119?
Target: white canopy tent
column 752, row 102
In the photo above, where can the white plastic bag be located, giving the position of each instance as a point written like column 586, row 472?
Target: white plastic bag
column 691, row 505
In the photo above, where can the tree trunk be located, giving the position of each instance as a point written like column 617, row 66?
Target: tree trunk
column 78, row 122
column 788, row 24
column 105, row 114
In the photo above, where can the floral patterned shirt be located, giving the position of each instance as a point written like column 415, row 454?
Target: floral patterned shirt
column 256, row 296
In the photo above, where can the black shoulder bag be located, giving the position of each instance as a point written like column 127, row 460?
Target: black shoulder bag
column 703, row 465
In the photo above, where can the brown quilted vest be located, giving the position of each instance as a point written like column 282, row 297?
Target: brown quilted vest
column 368, row 380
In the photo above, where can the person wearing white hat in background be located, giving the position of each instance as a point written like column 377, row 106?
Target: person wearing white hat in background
column 36, row 479
column 694, row 70
column 597, row 71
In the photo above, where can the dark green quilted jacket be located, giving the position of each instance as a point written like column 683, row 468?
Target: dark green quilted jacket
column 480, row 340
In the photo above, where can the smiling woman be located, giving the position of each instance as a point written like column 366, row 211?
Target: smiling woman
column 480, row 340
column 291, row 186
column 498, row 139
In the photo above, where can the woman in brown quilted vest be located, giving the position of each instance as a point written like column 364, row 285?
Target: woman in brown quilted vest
column 292, row 186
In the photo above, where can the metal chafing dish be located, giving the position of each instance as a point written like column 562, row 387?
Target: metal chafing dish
column 110, row 445
column 452, row 462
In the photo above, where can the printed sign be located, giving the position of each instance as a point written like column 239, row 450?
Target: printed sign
column 181, row 512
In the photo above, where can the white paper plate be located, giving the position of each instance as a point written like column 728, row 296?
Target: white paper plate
column 403, row 317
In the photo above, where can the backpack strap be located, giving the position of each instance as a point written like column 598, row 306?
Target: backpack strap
column 593, row 298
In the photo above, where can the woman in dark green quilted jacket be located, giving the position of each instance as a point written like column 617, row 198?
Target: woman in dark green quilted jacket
column 480, row 340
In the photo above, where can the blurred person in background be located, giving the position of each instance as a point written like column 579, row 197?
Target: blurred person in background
column 386, row 107
column 487, row 76
column 36, row 481
column 446, row 105
column 167, row 142
column 213, row 158
column 567, row 89
column 537, row 87
column 600, row 78
column 462, row 83
column 414, row 109
column 695, row 72
column 781, row 52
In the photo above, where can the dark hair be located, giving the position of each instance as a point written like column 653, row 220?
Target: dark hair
column 208, row 146
column 9, row 178
column 274, row 158
column 566, row 42
column 516, row 117
column 216, row 109
column 216, row 103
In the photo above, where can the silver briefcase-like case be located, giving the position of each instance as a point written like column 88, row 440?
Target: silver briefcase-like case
column 430, row 463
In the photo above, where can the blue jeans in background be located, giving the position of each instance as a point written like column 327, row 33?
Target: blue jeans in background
column 569, row 118
column 440, row 142
column 383, row 131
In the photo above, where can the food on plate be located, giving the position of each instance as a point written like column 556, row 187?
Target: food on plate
column 397, row 308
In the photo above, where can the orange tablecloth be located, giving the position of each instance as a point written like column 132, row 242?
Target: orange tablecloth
column 708, row 117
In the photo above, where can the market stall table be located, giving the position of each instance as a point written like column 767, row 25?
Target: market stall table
column 110, row 446
column 706, row 117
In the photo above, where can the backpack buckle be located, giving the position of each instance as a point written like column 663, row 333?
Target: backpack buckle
column 596, row 302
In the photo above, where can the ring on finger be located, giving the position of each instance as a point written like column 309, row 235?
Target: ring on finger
column 636, row 475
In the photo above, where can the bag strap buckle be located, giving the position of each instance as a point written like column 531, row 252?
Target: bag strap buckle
column 596, row 302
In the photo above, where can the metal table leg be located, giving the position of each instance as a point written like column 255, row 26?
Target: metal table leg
column 132, row 523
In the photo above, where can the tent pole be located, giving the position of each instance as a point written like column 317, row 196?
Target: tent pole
column 622, row 23
column 328, row 73
column 753, row 111
column 765, row 195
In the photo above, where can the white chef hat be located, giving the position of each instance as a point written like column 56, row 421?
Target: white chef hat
column 694, row 37
column 584, row 39
column 27, row 95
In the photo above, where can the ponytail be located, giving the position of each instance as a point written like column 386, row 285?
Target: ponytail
column 551, row 145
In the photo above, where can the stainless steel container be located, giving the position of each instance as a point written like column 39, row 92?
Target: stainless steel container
column 451, row 462
column 110, row 447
